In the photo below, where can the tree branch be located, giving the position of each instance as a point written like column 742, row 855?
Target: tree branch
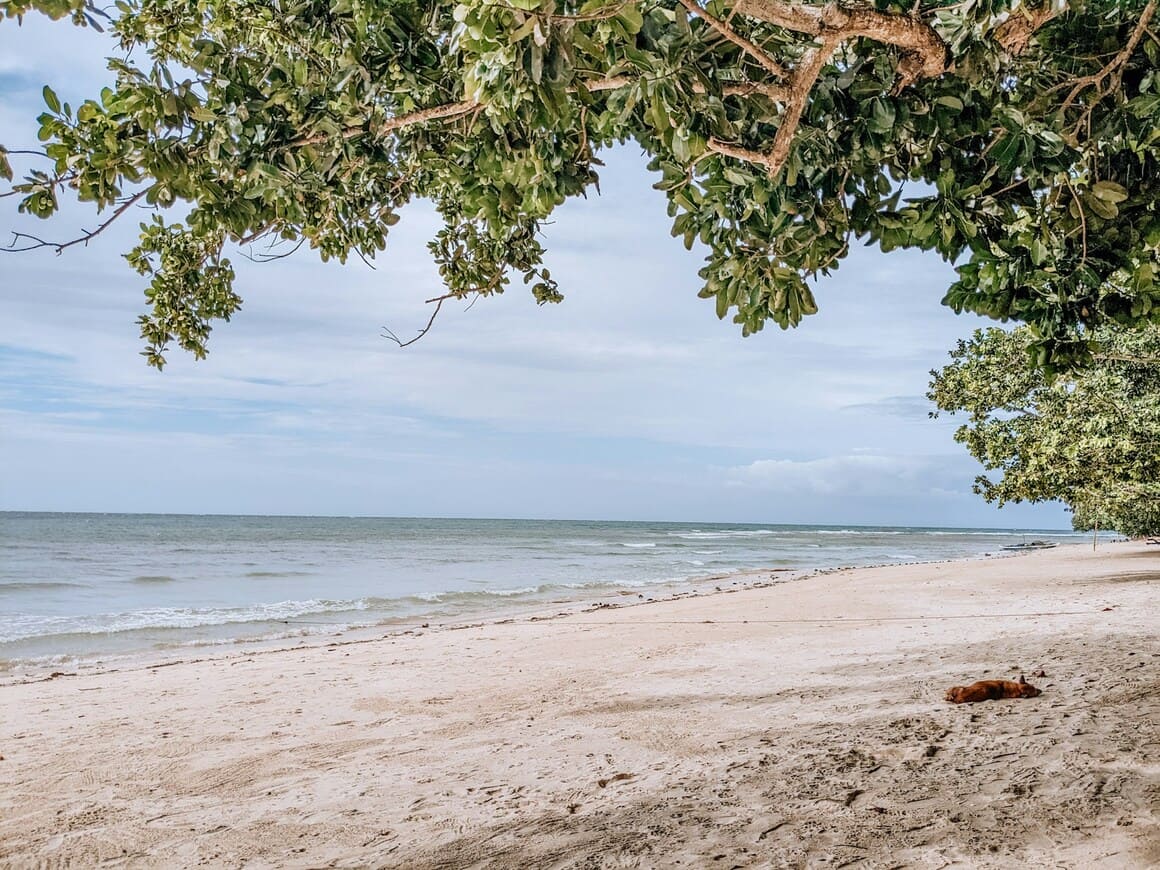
column 433, row 113
column 439, row 300
column 439, row 113
column 1015, row 33
column 779, row 93
column 457, row 110
column 804, row 77
column 733, row 36
column 747, row 155
column 83, row 239
column 925, row 54
column 1115, row 65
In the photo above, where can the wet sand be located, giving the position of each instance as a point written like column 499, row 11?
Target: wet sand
column 797, row 724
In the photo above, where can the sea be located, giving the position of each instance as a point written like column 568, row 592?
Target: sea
column 88, row 586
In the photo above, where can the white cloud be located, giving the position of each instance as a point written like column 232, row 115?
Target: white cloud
column 855, row 473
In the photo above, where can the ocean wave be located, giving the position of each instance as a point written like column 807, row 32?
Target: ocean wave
column 998, row 533
column 639, row 546
column 462, row 596
column 725, row 533
column 38, row 585
column 859, row 532
column 263, row 575
column 154, row 578
column 468, row 596
column 28, row 626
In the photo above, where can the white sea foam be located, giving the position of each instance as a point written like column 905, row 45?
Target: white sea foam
column 724, row 534
column 24, row 626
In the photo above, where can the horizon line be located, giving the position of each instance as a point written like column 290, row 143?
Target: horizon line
column 858, row 525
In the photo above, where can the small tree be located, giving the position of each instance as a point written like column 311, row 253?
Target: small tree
column 1091, row 440
column 780, row 130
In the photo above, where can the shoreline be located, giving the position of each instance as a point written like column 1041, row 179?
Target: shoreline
column 17, row 670
column 114, row 592
column 787, row 724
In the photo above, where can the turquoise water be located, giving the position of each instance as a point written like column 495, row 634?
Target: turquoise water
column 84, row 585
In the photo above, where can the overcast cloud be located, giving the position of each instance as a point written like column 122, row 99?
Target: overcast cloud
column 628, row 401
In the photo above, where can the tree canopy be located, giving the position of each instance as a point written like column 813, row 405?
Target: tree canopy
column 1019, row 139
column 1091, row 440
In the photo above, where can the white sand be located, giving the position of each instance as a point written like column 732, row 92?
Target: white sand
column 796, row 725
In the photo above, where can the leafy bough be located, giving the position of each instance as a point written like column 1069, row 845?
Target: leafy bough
column 781, row 131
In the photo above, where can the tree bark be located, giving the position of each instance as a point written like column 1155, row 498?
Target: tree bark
column 925, row 50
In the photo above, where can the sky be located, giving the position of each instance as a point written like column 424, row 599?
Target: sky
column 629, row 400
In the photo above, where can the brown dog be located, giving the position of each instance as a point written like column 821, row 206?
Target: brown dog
column 991, row 690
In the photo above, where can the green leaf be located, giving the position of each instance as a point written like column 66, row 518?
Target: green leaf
column 51, row 100
column 1110, row 191
column 1102, row 207
column 632, row 19
column 883, row 114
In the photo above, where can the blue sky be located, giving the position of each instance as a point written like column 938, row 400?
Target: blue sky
column 630, row 400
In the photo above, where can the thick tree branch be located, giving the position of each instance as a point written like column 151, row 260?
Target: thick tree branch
column 758, row 158
column 805, row 75
column 925, row 52
column 1015, row 33
column 923, row 55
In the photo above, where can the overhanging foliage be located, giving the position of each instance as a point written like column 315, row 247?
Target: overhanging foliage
column 781, row 131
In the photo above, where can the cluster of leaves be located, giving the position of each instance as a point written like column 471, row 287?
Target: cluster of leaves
column 1032, row 168
column 1091, row 440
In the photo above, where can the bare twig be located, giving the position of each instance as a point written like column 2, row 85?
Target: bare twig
column 438, row 300
column 255, row 235
column 270, row 258
column 365, row 261
column 83, row 239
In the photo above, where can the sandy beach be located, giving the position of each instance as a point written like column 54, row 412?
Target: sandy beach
column 797, row 724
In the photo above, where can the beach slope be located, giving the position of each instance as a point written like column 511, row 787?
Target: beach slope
column 795, row 724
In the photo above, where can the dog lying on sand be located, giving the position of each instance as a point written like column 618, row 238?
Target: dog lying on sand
column 991, row 690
